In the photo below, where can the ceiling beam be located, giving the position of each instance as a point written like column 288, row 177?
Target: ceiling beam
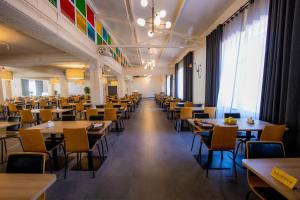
column 152, row 46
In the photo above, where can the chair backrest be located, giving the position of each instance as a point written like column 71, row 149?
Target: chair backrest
column 265, row 149
column 211, row 111
column 26, row 163
column 32, row 140
column 201, row 115
column 233, row 115
column 110, row 114
column 91, row 112
column 12, row 107
column 173, row 105
column 76, row 140
column 79, row 107
column 273, row 133
column 68, row 118
column 96, row 118
column 109, row 105
column 14, row 127
column 188, row 104
column 186, row 113
column 124, row 105
column 26, row 116
column 224, row 137
column 46, row 115
column 43, row 103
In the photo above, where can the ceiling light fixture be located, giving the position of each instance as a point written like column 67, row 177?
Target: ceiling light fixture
column 155, row 20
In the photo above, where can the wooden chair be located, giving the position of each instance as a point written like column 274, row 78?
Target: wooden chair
column 46, row 115
column 76, row 141
column 222, row 139
column 185, row 114
column 109, row 105
column 110, row 114
column 263, row 149
column 27, row 117
column 91, row 112
column 27, row 163
column 79, row 107
column 211, row 111
column 273, row 133
column 43, row 103
column 125, row 106
column 33, row 141
column 12, row 109
column 188, row 104
column 172, row 109
column 198, row 131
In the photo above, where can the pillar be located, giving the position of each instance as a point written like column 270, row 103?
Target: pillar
column 1, row 92
column 64, row 89
column 96, row 84
column 121, row 86
column 8, row 90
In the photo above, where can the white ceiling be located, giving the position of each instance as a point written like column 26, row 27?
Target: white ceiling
column 189, row 19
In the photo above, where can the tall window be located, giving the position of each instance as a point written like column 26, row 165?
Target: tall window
column 243, row 52
column 180, row 80
column 33, row 87
column 168, row 85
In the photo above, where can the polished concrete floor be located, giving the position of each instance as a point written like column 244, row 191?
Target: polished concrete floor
column 150, row 160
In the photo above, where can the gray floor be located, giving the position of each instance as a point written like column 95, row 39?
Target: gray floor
column 149, row 160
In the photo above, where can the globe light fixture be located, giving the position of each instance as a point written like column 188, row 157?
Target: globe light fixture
column 162, row 13
column 144, row 3
column 141, row 22
column 168, row 25
column 150, row 33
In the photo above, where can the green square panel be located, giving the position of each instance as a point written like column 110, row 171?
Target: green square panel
column 80, row 5
column 99, row 39
column 54, row 2
column 108, row 39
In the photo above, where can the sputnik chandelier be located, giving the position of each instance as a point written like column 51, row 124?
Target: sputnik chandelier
column 156, row 19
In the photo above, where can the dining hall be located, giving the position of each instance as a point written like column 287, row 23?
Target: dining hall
column 149, row 99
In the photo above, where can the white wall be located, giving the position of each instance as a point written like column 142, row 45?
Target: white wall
column 75, row 89
column 199, row 79
column 147, row 86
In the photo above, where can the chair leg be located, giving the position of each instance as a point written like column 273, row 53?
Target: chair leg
column 106, row 143
column 50, row 162
column 5, row 147
column 2, row 161
column 100, row 155
column 66, row 162
column 193, row 142
column 234, row 165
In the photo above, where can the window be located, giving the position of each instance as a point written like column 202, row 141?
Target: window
column 180, row 80
column 243, row 52
column 33, row 87
column 168, row 85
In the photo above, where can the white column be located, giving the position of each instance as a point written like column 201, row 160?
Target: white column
column 164, row 82
column 8, row 89
column 1, row 92
column 121, row 86
column 96, row 84
column 64, row 90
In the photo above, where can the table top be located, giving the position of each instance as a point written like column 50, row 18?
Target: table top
column 84, row 104
column 101, row 110
column 4, row 124
column 24, row 186
column 60, row 125
column 241, row 123
column 193, row 108
column 58, row 110
column 263, row 167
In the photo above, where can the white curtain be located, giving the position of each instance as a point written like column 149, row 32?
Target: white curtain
column 242, row 62
column 168, row 85
column 180, row 80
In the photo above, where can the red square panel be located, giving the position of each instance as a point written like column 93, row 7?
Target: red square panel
column 90, row 16
column 68, row 10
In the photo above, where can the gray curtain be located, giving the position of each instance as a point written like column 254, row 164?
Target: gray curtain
column 176, row 80
column 188, row 77
column 213, row 62
column 39, row 87
column 280, row 102
column 25, row 87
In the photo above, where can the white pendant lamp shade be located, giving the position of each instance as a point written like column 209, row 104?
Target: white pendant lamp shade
column 6, row 75
column 141, row 22
column 157, row 20
column 144, row 3
column 150, row 33
column 75, row 74
column 168, row 25
column 162, row 13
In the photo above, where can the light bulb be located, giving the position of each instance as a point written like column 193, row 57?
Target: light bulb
column 157, row 20
column 162, row 13
column 141, row 22
column 168, row 25
column 145, row 67
column 143, row 61
column 150, row 33
column 144, row 3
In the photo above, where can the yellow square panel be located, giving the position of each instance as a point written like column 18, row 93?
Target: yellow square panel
column 81, row 22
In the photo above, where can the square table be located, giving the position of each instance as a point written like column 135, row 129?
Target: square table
column 263, row 167
column 57, row 111
column 24, row 186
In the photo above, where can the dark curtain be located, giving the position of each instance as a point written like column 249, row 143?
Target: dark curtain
column 176, row 80
column 188, row 77
column 25, row 87
column 280, row 101
column 213, row 62
column 171, row 85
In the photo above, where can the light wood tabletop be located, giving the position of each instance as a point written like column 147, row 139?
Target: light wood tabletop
column 241, row 123
column 194, row 109
column 58, row 110
column 24, row 186
column 60, row 125
column 101, row 110
column 263, row 167
column 7, row 124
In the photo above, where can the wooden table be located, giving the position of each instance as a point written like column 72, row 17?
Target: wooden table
column 57, row 111
column 263, row 167
column 60, row 125
column 4, row 124
column 24, row 186
column 194, row 109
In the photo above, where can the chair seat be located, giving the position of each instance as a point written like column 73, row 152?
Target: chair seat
column 269, row 193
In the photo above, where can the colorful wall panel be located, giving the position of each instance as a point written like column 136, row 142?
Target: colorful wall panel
column 81, row 22
column 53, row 2
column 81, row 6
column 67, row 8
column 90, row 16
column 91, row 32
